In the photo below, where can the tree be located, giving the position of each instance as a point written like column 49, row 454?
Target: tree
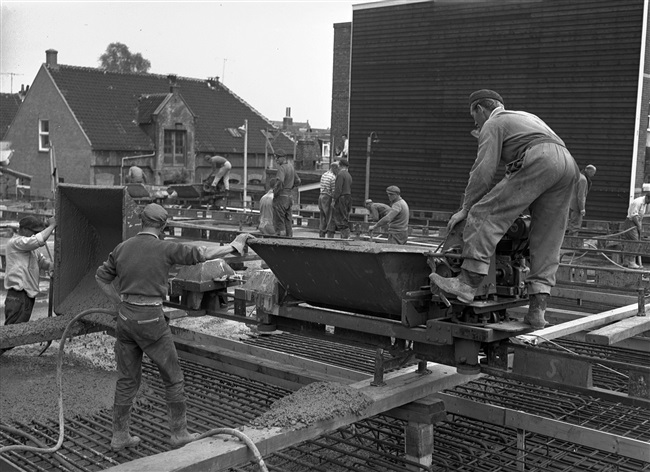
column 118, row 58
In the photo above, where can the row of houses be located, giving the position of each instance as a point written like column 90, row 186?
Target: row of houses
column 100, row 123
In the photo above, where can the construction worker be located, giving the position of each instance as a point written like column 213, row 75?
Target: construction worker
column 266, row 210
column 325, row 201
column 221, row 171
column 376, row 211
column 287, row 179
column 540, row 175
column 397, row 217
column 342, row 202
column 141, row 267
column 136, row 176
column 634, row 223
column 22, row 272
column 579, row 199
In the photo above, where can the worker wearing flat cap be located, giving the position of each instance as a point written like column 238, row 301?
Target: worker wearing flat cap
column 579, row 199
column 24, row 261
column 540, row 175
column 135, row 277
column 342, row 198
column 376, row 210
column 285, row 180
column 397, row 218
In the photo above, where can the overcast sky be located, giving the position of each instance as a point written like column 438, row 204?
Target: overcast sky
column 273, row 54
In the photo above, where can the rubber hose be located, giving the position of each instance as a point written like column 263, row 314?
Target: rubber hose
column 59, row 384
column 235, row 432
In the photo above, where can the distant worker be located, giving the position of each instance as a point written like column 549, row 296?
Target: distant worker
column 136, row 176
column 540, row 175
column 325, row 199
column 140, row 268
column 397, row 218
column 634, row 224
column 577, row 208
column 221, row 171
column 22, row 272
column 376, row 211
column 266, row 210
column 346, row 144
column 340, row 220
column 287, row 179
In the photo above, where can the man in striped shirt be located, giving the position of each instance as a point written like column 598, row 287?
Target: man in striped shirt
column 325, row 202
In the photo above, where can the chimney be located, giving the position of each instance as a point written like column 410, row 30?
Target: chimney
column 51, row 59
column 173, row 86
column 23, row 92
column 287, row 121
column 213, row 82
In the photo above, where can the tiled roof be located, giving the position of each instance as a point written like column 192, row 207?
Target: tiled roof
column 148, row 105
column 107, row 106
column 9, row 104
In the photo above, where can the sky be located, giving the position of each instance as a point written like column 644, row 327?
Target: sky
column 272, row 54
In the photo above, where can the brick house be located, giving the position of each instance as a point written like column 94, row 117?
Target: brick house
column 100, row 123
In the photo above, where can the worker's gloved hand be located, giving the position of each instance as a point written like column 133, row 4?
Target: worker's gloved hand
column 239, row 243
column 456, row 218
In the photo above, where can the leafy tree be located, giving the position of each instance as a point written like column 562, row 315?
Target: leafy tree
column 118, row 58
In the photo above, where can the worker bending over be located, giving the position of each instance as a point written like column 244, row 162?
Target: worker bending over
column 540, row 175
column 221, row 170
column 397, row 217
column 141, row 266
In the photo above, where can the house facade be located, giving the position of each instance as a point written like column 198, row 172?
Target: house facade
column 582, row 66
column 100, row 123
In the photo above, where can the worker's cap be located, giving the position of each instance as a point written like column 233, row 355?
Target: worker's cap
column 393, row 189
column 368, row 202
column 279, row 153
column 154, row 213
column 344, row 163
column 32, row 223
column 484, row 93
column 591, row 168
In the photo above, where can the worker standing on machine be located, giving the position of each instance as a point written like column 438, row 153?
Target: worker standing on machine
column 221, row 170
column 286, row 180
column 397, row 217
column 141, row 266
column 541, row 175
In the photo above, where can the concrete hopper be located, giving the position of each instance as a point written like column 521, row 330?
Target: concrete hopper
column 91, row 221
column 358, row 276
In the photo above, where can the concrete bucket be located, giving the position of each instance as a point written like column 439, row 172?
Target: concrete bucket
column 91, row 221
column 358, row 276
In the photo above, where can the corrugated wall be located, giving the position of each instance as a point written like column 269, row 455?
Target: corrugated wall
column 574, row 63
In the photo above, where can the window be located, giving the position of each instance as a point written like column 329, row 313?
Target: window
column 175, row 148
column 234, row 132
column 43, row 135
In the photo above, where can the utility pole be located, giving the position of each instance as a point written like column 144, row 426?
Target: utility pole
column 223, row 71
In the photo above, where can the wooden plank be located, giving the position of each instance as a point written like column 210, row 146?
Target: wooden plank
column 220, row 452
column 52, row 328
column 591, row 321
column 592, row 296
column 608, row 335
column 608, row 442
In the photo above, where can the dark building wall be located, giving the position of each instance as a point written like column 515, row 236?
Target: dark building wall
column 73, row 153
column 574, row 64
column 340, row 85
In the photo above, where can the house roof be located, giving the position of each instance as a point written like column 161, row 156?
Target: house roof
column 110, row 106
column 9, row 104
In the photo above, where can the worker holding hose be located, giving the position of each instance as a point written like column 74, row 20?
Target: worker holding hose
column 140, row 268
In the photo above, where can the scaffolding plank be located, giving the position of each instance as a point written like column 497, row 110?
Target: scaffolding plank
column 220, row 452
column 608, row 335
column 624, row 446
column 588, row 322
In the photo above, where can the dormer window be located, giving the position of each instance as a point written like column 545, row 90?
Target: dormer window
column 235, row 133
column 43, row 135
column 175, row 148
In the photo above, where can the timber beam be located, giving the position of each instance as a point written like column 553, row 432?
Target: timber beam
column 220, row 452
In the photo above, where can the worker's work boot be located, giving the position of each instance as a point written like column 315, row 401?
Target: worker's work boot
column 345, row 234
column 536, row 310
column 121, row 437
column 178, row 425
column 463, row 287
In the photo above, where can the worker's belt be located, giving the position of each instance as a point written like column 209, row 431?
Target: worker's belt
column 517, row 164
column 544, row 140
column 141, row 300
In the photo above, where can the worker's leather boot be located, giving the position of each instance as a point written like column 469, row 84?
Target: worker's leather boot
column 178, row 425
column 121, row 437
column 536, row 310
column 463, row 287
column 345, row 234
